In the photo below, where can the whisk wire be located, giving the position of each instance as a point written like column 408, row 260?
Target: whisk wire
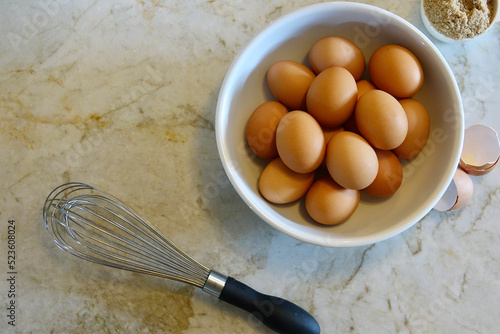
column 96, row 227
column 150, row 241
column 138, row 249
column 135, row 256
column 75, row 236
column 158, row 245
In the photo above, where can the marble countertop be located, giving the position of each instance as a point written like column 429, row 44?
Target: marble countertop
column 122, row 95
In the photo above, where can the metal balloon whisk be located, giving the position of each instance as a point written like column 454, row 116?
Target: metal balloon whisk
column 97, row 227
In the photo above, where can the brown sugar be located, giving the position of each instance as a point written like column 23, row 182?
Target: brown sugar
column 459, row 19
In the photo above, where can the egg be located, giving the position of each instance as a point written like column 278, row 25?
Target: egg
column 332, row 96
column 289, row 82
column 381, row 119
column 328, row 133
column 389, row 176
column 279, row 184
column 330, row 204
column 351, row 161
column 261, row 129
column 396, row 70
column 418, row 129
column 337, row 51
column 300, row 141
column 364, row 86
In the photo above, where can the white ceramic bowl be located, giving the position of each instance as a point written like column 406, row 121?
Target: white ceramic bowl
column 290, row 37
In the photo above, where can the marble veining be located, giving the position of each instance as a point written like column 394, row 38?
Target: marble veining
column 122, row 95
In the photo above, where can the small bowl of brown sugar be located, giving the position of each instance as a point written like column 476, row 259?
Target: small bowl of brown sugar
column 458, row 20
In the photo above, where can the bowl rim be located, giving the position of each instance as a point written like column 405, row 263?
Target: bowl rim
column 224, row 101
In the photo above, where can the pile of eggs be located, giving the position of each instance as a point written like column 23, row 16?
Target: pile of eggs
column 332, row 134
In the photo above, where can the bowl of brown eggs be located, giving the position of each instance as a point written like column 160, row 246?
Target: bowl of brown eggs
column 340, row 124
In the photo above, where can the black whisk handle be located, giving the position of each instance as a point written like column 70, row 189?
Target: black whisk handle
column 276, row 313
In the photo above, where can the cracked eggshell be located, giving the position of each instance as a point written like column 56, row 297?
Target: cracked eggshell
column 459, row 192
column 481, row 150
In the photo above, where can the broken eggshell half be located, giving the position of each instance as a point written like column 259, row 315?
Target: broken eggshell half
column 480, row 154
column 481, row 150
column 459, row 192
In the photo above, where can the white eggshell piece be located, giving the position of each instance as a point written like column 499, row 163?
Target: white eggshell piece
column 459, row 192
column 449, row 198
column 465, row 188
column 481, row 150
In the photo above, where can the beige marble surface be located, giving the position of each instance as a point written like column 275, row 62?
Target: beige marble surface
column 122, row 95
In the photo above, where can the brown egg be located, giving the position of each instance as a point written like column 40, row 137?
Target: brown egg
column 300, row 142
column 289, row 82
column 279, row 184
column 396, row 70
column 330, row 204
column 381, row 119
column 364, row 86
column 337, row 51
column 389, row 176
column 332, row 96
column 418, row 129
column 261, row 129
column 328, row 133
column 351, row 161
